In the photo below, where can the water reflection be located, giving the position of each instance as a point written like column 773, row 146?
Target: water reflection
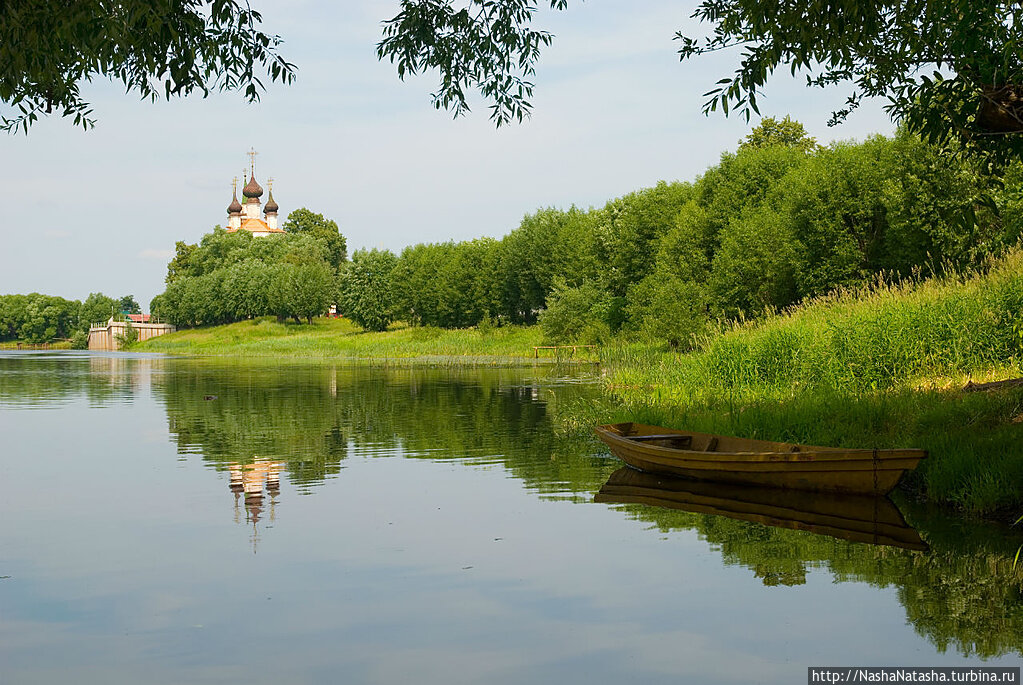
column 964, row 594
column 49, row 380
column 308, row 424
column 248, row 483
column 311, row 418
column 872, row 520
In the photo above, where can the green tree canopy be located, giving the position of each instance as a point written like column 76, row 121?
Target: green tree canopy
column 38, row 318
column 482, row 44
column 220, row 249
column 233, row 276
column 366, row 290
column 96, row 308
column 951, row 70
column 304, row 221
column 129, row 305
column 786, row 131
column 156, row 48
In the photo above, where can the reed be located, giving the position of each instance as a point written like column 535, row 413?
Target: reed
column 880, row 366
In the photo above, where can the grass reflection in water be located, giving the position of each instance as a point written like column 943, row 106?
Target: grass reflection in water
column 300, row 424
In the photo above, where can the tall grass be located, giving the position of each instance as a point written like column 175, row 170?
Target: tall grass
column 881, row 366
column 883, row 336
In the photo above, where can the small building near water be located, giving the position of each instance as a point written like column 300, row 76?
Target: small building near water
column 109, row 336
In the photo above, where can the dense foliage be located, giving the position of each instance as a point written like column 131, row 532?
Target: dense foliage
column 233, row 276
column 779, row 220
column 951, row 70
column 36, row 318
column 304, row 221
column 366, row 289
column 154, row 48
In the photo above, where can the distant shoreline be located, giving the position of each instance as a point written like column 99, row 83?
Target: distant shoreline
column 340, row 339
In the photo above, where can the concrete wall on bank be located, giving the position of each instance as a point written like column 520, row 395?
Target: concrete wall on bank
column 105, row 337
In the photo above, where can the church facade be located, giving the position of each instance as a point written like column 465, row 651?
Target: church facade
column 247, row 217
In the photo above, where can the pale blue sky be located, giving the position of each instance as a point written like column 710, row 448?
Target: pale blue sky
column 614, row 111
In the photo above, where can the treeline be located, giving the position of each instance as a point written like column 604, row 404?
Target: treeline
column 37, row 318
column 780, row 219
column 230, row 277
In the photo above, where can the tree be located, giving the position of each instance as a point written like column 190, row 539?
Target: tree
column 180, row 265
column 234, row 276
column 671, row 303
column 787, row 132
column 365, row 291
column 312, row 290
column 577, row 314
column 950, row 69
column 128, row 305
column 485, row 45
column 154, row 47
column 304, row 221
column 97, row 308
column 753, row 269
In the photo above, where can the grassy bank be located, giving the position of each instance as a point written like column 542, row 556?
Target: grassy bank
column 339, row 338
column 880, row 367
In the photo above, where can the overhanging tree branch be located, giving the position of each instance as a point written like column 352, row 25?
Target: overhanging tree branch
column 156, row 48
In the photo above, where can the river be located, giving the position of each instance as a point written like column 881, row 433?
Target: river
column 200, row 521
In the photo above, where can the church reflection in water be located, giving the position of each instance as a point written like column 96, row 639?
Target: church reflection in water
column 253, row 484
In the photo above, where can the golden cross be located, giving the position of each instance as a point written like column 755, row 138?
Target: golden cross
column 252, row 159
column 234, row 185
column 270, row 184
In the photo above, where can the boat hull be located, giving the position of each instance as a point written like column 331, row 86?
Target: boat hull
column 743, row 461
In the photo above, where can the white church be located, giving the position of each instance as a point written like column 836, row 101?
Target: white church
column 246, row 218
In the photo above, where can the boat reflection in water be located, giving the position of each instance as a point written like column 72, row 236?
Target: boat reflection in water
column 859, row 518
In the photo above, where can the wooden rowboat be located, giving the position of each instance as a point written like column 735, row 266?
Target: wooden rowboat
column 758, row 462
column 859, row 518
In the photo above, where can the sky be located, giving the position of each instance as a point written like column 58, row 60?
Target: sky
column 614, row 111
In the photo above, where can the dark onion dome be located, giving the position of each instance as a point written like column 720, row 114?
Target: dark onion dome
column 252, row 189
column 271, row 205
column 235, row 207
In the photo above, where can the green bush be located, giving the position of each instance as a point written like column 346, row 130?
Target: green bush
column 578, row 314
column 80, row 340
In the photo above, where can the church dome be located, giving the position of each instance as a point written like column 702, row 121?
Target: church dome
column 252, row 189
column 235, row 207
column 271, row 206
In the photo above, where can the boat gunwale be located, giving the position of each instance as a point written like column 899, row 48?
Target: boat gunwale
column 806, row 453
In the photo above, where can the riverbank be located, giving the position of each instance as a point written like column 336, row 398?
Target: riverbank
column 342, row 339
column 880, row 367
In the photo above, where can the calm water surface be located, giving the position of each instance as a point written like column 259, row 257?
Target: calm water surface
column 187, row 521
